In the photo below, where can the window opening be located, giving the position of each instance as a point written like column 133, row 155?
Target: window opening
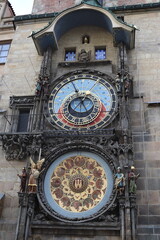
column 70, row 55
column 100, row 53
column 23, row 120
column 4, row 49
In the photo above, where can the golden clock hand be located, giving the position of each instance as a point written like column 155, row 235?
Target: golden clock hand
column 89, row 91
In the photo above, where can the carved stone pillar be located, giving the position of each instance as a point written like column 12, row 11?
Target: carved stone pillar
column 42, row 87
column 133, row 216
column 127, row 208
column 30, row 213
column 128, row 221
column 21, row 222
column 122, row 216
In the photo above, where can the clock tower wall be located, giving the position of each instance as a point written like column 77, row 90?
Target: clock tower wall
column 48, row 6
column 108, row 3
column 73, row 40
column 146, row 152
column 43, row 6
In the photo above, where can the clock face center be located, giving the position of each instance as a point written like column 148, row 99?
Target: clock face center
column 81, row 108
column 78, row 183
column 81, row 104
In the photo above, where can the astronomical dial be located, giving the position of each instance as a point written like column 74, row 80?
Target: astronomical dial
column 82, row 101
column 81, row 108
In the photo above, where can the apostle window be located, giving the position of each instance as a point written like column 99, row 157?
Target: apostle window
column 70, row 55
column 4, row 49
column 100, row 53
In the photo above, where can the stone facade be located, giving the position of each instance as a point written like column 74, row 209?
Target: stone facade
column 144, row 60
column 125, row 3
column 20, row 74
column 51, row 6
column 58, row 6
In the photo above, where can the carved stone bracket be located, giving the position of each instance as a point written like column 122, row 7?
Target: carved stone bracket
column 125, row 148
column 21, row 100
column 133, row 201
column 19, row 146
column 111, row 215
column 84, row 64
column 121, row 200
column 31, row 203
column 22, row 199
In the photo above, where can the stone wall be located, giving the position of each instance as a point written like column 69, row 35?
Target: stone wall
column 19, row 78
column 144, row 61
column 42, row 6
column 20, row 72
column 73, row 40
column 9, row 184
column 3, row 86
column 108, row 3
column 40, row 237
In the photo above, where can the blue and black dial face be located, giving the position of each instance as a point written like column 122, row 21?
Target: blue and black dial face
column 81, row 105
column 82, row 101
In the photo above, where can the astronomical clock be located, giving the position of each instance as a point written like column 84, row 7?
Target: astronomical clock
column 83, row 145
column 78, row 178
column 78, row 124
column 82, row 101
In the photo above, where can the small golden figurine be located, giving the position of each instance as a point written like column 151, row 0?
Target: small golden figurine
column 85, row 40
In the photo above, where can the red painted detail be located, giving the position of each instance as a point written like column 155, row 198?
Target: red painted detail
column 102, row 114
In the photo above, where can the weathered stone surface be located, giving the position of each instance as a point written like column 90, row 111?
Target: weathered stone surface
column 40, row 6
column 19, row 76
column 145, row 230
column 148, row 237
column 51, row 6
column 143, row 209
